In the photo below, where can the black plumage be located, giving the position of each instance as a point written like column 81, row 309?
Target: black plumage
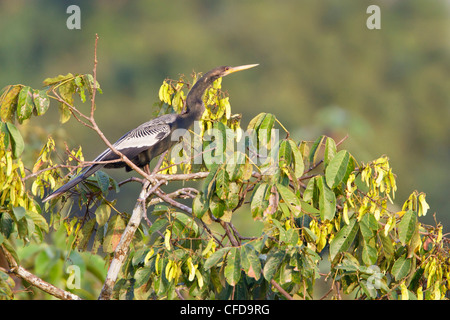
column 152, row 138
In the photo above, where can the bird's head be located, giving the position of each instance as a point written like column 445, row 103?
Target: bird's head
column 194, row 99
column 223, row 71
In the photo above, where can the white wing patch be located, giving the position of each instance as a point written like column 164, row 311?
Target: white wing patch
column 143, row 137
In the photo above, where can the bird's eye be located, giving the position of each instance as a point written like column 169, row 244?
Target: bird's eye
column 227, row 68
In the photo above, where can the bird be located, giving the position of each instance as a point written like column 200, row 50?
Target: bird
column 152, row 138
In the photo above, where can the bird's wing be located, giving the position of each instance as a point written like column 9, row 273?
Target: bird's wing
column 139, row 139
column 130, row 144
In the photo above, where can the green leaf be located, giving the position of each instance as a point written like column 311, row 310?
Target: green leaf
column 368, row 226
column 311, row 192
column 209, row 185
column 57, row 79
column 306, row 207
column 215, row 258
column 233, row 166
column 343, row 239
column 292, row 237
column 311, row 236
column 217, row 207
column 25, row 104
column 4, row 130
column 299, row 166
column 85, row 234
column 102, row 214
column 38, row 220
column 89, row 81
column 103, row 181
column 388, row 248
column 250, row 261
column 64, row 113
column 256, row 121
column 66, row 92
column 337, row 169
column 259, row 202
column 8, row 102
column 401, row 268
column 290, row 199
column 157, row 225
column 407, row 226
column 369, row 254
column 233, row 196
column 142, row 276
column 41, row 101
column 79, row 82
column 222, row 184
column 314, row 152
column 330, row 151
column 233, row 266
column 285, row 154
column 327, row 200
column 17, row 143
column 6, row 224
column 19, row 212
column 187, row 221
column 273, row 262
column 116, row 227
column 265, row 130
column 199, row 206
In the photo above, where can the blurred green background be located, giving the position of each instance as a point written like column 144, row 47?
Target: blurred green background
column 322, row 71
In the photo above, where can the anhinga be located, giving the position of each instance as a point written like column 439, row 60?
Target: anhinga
column 152, row 138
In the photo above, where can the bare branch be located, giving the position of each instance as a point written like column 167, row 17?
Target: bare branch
column 121, row 251
column 94, row 75
column 172, row 202
column 35, row 280
column 281, row 290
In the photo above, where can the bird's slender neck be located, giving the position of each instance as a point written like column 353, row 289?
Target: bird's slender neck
column 194, row 100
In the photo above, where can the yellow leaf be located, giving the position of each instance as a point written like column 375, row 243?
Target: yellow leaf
column 157, row 264
column 199, row 278
column 168, row 269
column 148, row 255
column 34, row 187
column 191, row 268
column 377, row 214
column 167, row 235
column 400, row 213
column 419, row 293
column 389, row 225
column 404, row 290
column 423, row 205
column 345, row 214
column 208, row 247
column 436, row 291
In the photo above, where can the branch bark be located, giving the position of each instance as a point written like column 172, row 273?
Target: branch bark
column 281, row 290
column 121, row 251
column 35, row 280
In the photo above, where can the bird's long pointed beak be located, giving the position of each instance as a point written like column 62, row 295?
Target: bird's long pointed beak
column 240, row 68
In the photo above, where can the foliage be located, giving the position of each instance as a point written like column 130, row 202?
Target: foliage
column 317, row 203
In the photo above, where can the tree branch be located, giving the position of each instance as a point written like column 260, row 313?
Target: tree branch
column 281, row 290
column 35, row 280
column 121, row 251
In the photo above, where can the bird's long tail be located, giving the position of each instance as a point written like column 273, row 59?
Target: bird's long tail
column 72, row 183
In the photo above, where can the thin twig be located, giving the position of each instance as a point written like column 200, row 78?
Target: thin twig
column 160, row 160
column 172, row 202
column 281, row 290
column 233, row 240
